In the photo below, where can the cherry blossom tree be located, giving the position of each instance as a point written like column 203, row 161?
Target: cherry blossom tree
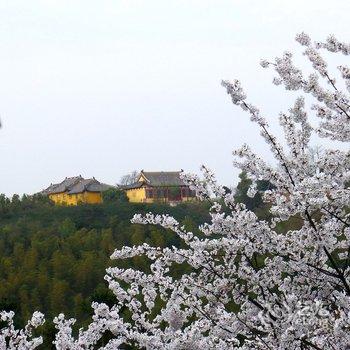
column 13, row 339
column 248, row 284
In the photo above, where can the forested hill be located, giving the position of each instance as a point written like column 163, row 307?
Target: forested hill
column 53, row 258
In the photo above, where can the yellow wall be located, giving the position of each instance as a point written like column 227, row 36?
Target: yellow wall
column 75, row 199
column 136, row 195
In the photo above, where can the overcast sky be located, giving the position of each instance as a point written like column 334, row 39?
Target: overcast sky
column 100, row 88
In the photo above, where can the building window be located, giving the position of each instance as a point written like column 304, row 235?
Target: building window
column 149, row 193
column 174, row 193
column 161, row 193
column 185, row 192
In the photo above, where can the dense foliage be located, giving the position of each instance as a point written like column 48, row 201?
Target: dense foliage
column 53, row 258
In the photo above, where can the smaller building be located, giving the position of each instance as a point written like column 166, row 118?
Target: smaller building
column 159, row 186
column 75, row 190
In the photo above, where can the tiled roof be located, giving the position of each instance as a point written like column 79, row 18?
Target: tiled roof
column 131, row 186
column 77, row 184
column 163, row 178
column 157, row 179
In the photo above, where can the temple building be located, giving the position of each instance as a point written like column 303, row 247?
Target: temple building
column 75, row 190
column 159, row 186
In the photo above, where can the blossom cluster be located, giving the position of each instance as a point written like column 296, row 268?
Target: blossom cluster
column 16, row 339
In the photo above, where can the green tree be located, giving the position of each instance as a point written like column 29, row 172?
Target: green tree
column 113, row 195
column 256, row 203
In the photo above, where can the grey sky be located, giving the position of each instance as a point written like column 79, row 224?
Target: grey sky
column 100, row 88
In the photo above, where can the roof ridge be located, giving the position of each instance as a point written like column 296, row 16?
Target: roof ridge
column 162, row 171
